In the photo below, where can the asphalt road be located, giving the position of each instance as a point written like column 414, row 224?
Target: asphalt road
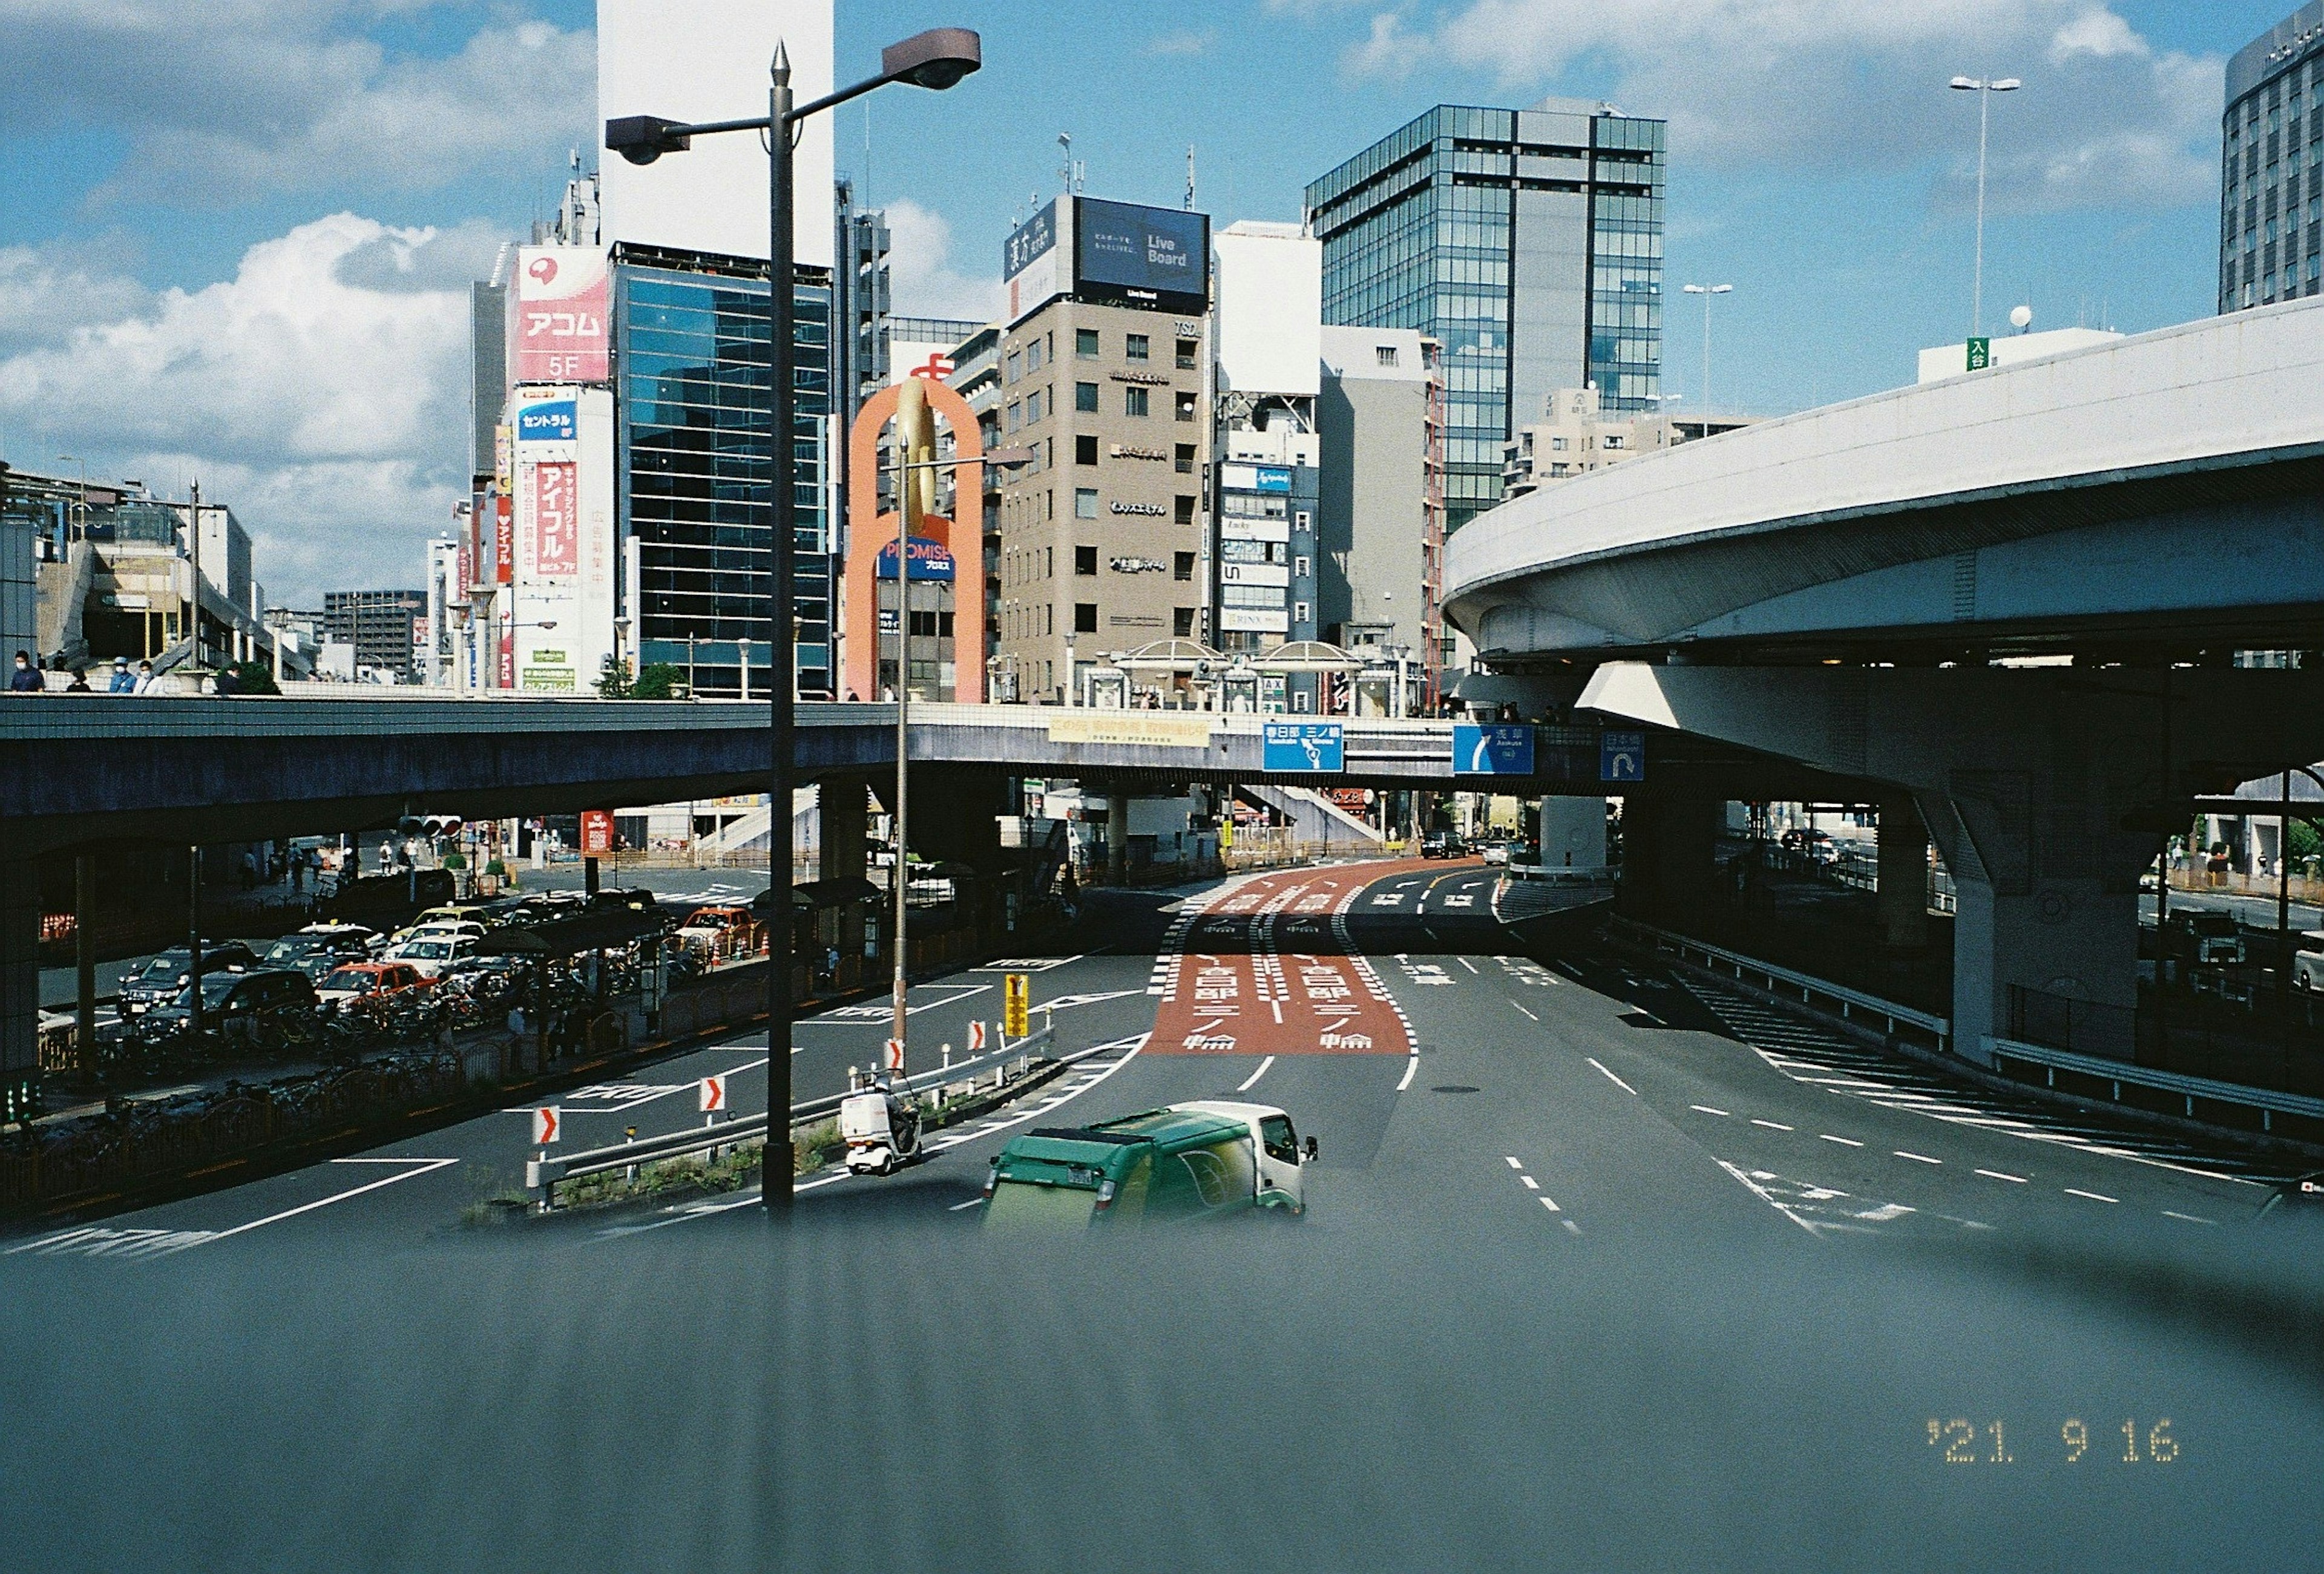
column 1600, row 1270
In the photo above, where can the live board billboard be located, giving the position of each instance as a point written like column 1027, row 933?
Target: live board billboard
column 1118, row 253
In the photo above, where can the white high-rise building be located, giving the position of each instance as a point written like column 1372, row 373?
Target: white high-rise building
column 705, row 60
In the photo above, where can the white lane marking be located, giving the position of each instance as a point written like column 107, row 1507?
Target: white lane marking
column 425, row 1167
column 1529, row 1016
column 1514, row 1162
column 2093, row 1196
column 1571, row 1228
column 1530, row 1183
column 1770, row 1125
column 1612, row 1078
column 1550, row 1204
column 1999, row 1175
column 1763, row 1195
column 1252, row 1080
column 1463, row 961
column 1917, row 1157
column 872, row 1012
column 1843, row 1141
column 2190, row 1217
column 1411, row 1069
column 957, row 1207
column 1707, row 1109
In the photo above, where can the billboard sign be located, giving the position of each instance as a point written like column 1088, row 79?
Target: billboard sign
column 1142, row 256
column 1498, row 749
column 1029, row 259
column 560, row 315
column 1304, row 746
column 596, row 832
column 930, row 561
column 555, row 527
column 550, row 420
column 1254, row 621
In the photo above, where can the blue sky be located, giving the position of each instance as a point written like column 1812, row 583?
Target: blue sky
column 235, row 236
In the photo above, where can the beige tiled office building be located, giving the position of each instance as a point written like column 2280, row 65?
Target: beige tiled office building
column 1101, row 536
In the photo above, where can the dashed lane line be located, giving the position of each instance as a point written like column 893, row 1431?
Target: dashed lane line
column 2004, row 1175
column 1843, row 1141
column 1771, row 1125
column 1707, row 1109
column 1252, row 1080
column 1529, row 1016
column 2093, row 1196
column 1917, row 1157
column 1610, row 1077
column 2189, row 1218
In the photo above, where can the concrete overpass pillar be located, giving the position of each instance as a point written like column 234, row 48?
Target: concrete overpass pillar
column 20, row 988
column 1572, row 833
column 1904, row 899
column 843, row 811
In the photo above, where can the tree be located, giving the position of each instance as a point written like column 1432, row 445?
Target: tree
column 614, row 680
column 657, row 680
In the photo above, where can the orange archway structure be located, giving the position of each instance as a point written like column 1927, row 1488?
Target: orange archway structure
column 868, row 532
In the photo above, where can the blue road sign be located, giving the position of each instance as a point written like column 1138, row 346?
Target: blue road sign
column 1621, row 756
column 1305, row 746
column 1498, row 748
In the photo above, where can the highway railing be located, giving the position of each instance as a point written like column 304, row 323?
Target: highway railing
column 2190, row 1098
column 1906, row 1023
column 544, row 1174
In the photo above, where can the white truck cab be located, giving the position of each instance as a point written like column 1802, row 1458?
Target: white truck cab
column 1275, row 1146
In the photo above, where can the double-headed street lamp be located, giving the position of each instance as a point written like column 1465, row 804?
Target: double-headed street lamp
column 1706, row 291
column 1985, row 90
column 936, row 60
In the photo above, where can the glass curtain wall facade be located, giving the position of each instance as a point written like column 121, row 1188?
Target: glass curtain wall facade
column 690, row 382
column 2272, row 158
column 1529, row 244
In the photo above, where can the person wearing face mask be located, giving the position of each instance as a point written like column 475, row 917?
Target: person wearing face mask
column 25, row 679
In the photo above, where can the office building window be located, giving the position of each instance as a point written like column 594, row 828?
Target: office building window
column 1188, row 350
column 1085, row 503
column 1016, row 365
column 1302, row 566
column 1085, row 449
column 1182, row 566
column 1186, row 513
column 1301, row 611
column 1085, row 344
column 1184, row 457
column 1182, row 622
column 1016, row 414
column 1085, row 560
column 1033, row 356
column 1185, row 407
column 1302, row 700
column 1086, row 617
column 1385, row 353
column 1134, row 346
column 1133, row 401
column 1085, row 397
column 1033, row 402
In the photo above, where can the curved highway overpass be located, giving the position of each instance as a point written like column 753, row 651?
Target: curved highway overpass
column 2161, row 491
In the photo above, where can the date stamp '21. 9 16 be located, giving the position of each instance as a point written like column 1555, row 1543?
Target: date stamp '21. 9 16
column 1962, row 1441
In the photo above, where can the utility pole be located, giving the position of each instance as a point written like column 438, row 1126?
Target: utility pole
column 194, row 556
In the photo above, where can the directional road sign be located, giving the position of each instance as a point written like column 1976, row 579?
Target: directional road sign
column 1016, row 1007
column 976, row 1038
column 893, row 1055
column 1495, row 748
column 1304, row 746
column 1621, row 756
column 547, row 1122
column 714, row 1094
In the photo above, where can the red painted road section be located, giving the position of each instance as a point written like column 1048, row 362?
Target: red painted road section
column 1268, row 969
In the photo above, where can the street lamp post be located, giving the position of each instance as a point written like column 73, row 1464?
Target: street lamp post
column 936, row 60
column 1706, row 291
column 1984, row 90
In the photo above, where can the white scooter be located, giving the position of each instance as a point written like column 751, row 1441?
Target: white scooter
column 882, row 1132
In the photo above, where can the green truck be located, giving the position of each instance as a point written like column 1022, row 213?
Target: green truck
column 1186, row 1161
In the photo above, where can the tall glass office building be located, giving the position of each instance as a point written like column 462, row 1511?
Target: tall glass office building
column 2271, row 176
column 690, row 455
column 1528, row 242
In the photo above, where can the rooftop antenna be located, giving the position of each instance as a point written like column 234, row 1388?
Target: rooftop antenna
column 1190, row 177
column 1066, row 168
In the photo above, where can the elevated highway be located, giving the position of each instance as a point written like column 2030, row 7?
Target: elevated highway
column 2008, row 605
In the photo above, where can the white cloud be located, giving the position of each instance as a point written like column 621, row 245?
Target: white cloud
column 44, row 292
column 1187, row 41
column 923, row 281
column 1854, row 86
column 328, row 413
column 230, row 100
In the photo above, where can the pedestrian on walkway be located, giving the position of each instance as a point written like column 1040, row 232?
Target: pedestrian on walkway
column 25, row 680
column 79, row 683
column 386, row 857
column 144, row 678
column 123, row 681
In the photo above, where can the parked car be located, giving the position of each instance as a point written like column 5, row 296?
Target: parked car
column 1443, row 844
column 716, row 932
column 249, row 1007
column 2308, row 961
column 159, row 981
column 1496, row 853
column 2204, row 936
column 328, row 939
column 1187, row 1161
column 369, row 982
column 435, row 948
